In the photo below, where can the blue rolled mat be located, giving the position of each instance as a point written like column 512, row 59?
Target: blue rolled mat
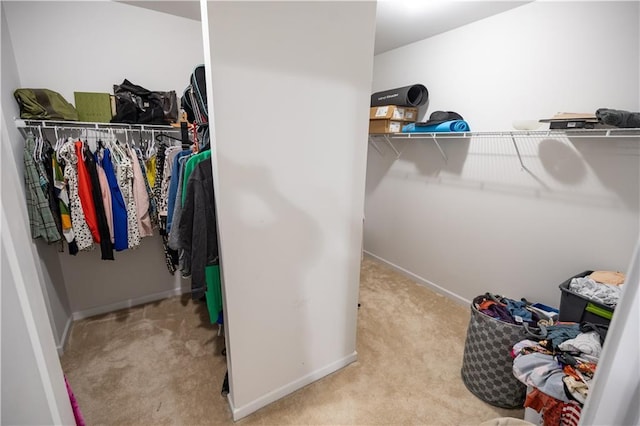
column 447, row 126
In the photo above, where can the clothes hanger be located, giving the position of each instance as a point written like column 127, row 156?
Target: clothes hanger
column 118, row 151
column 151, row 149
column 35, row 145
column 59, row 140
column 159, row 136
column 85, row 145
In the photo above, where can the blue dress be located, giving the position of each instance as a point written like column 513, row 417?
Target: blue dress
column 118, row 207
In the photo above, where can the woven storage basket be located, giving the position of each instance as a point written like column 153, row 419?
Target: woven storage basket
column 487, row 366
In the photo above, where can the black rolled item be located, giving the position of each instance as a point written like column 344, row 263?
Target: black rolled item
column 413, row 96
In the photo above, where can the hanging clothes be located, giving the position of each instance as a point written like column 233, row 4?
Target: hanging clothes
column 85, row 190
column 119, row 207
column 174, row 232
column 63, row 205
column 198, row 232
column 124, row 175
column 213, row 287
column 188, row 168
column 105, row 192
column 150, row 166
column 170, row 154
column 46, row 159
column 141, row 197
column 171, row 256
column 153, row 206
column 41, row 219
column 173, row 185
column 106, row 246
column 84, row 239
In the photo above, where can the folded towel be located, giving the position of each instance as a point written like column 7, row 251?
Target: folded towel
column 447, row 126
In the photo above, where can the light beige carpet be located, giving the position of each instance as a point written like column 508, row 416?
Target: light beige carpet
column 161, row 363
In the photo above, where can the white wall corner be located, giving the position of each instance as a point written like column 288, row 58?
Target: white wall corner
column 263, row 401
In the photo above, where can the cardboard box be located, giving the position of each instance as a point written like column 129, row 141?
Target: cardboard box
column 93, row 107
column 385, row 126
column 410, row 114
column 571, row 116
column 393, row 112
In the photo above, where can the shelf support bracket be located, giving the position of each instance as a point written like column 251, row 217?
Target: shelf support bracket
column 515, row 145
column 525, row 168
column 386, row 138
column 375, row 145
column 435, row 140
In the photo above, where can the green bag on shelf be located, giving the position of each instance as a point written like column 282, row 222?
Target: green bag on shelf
column 44, row 104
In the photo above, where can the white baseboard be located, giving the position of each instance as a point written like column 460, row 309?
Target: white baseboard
column 65, row 336
column 443, row 291
column 99, row 310
column 240, row 412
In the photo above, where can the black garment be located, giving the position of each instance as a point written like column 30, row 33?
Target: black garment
column 171, row 256
column 198, row 231
column 106, row 246
column 51, row 195
column 601, row 329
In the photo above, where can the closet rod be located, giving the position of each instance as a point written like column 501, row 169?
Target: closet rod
column 100, row 129
column 51, row 124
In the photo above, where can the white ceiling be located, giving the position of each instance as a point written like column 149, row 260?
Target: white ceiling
column 398, row 22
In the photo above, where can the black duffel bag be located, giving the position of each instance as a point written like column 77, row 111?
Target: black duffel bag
column 135, row 104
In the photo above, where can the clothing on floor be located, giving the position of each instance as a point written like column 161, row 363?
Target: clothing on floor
column 542, row 372
column 586, row 343
column 549, row 407
column 608, row 277
column 603, row 293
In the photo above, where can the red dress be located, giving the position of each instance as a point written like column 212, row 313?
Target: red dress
column 86, row 199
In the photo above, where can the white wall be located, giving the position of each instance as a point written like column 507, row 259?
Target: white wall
column 289, row 186
column 89, row 46
column 32, row 389
column 478, row 222
column 49, row 273
column 613, row 397
column 527, row 63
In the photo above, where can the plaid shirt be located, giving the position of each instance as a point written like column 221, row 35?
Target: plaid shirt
column 40, row 217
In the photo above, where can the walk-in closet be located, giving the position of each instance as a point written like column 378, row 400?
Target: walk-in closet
column 290, row 232
column 347, row 261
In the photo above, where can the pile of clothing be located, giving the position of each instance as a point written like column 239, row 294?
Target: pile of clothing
column 602, row 286
column 557, row 364
column 508, row 310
